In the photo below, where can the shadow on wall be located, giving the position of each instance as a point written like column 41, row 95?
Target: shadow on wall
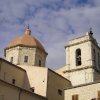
column 14, row 75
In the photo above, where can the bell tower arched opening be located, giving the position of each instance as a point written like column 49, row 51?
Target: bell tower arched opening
column 78, row 57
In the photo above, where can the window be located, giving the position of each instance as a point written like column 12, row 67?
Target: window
column 26, row 59
column 98, row 95
column 59, row 92
column 39, row 62
column 93, row 99
column 75, row 97
column 11, row 60
column 78, row 57
column 32, row 89
column 13, row 81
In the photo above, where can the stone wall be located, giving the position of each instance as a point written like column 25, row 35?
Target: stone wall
column 18, row 53
column 84, row 92
column 56, row 85
column 11, row 92
column 13, row 74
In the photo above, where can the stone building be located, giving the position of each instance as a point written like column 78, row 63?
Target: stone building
column 24, row 75
column 26, row 50
column 82, row 68
column 23, row 72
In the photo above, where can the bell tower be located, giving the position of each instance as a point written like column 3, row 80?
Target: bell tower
column 79, row 52
column 82, row 60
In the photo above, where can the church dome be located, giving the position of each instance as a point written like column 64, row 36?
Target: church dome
column 26, row 40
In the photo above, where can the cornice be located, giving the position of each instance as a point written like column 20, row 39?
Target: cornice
column 81, row 43
column 78, row 69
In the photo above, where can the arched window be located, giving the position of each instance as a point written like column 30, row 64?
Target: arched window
column 78, row 57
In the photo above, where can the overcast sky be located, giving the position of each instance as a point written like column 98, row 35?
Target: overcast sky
column 53, row 23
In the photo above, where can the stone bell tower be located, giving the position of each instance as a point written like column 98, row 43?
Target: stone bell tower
column 82, row 60
column 26, row 50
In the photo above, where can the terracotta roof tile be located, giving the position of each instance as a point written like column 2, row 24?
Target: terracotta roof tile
column 26, row 40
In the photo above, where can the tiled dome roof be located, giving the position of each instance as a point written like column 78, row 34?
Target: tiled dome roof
column 26, row 40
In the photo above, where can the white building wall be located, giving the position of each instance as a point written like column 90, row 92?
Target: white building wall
column 37, row 78
column 40, row 55
column 81, row 77
column 13, row 52
column 84, row 73
column 85, row 92
column 18, row 53
column 26, row 51
column 85, row 55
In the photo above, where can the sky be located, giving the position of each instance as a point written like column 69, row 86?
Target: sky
column 52, row 22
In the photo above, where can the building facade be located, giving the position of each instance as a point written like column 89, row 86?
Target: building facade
column 14, row 83
column 90, row 91
column 82, row 68
column 25, row 67
column 26, row 50
column 82, row 60
column 24, row 74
